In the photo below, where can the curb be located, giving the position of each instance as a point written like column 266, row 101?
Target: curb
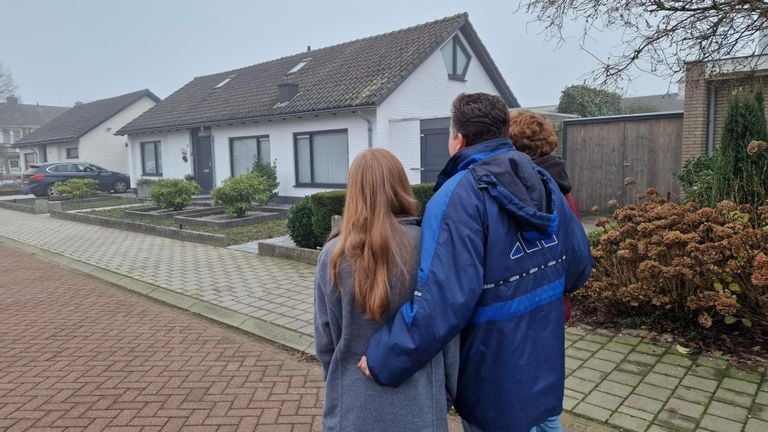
column 246, row 323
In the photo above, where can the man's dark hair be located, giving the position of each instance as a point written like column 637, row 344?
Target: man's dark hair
column 480, row 117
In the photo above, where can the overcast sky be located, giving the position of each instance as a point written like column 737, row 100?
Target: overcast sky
column 82, row 50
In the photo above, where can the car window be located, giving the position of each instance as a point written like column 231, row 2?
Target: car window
column 88, row 168
column 54, row 168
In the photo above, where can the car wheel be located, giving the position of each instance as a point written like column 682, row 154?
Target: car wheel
column 120, row 186
column 51, row 191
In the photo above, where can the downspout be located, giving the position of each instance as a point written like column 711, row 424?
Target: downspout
column 370, row 129
column 711, row 120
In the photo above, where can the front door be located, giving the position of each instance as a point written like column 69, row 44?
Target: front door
column 434, row 148
column 202, row 158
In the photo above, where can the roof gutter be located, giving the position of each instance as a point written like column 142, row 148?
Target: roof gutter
column 711, row 120
column 370, row 128
column 122, row 132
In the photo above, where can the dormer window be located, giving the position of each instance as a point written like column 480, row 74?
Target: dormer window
column 300, row 65
column 225, row 81
column 456, row 57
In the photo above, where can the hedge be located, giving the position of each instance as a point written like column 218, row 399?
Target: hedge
column 323, row 205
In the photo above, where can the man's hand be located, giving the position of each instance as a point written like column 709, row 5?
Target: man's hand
column 363, row 366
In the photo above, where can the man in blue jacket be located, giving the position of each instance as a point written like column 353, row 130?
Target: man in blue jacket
column 500, row 248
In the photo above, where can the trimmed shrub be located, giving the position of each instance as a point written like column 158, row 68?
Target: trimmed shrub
column 77, row 188
column 324, row 206
column 269, row 175
column 300, row 227
column 237, row 193
column 146, row 182
column 423, row 193
column 173, row 193
column 684, row 266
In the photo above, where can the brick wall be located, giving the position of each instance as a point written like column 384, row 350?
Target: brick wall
column 695, row 115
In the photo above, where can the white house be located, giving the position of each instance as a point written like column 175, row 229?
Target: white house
column 18, row 120
column 312, row 112
column 87, row 132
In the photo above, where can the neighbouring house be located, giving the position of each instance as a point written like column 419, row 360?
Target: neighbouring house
column 666, row 102
column 311, row 113
column 87, row 132
column 18, row 120
column 707, row 89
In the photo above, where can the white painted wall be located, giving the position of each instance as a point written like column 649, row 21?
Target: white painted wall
column 280, row 134
column 172, row 144
column 101, row 147
column 426, row 94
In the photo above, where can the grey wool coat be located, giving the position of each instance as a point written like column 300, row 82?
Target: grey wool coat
column 354, row 403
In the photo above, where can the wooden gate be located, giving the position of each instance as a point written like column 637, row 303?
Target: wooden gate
column 602, row 152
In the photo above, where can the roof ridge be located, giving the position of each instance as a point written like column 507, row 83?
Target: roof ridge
column 462, row 15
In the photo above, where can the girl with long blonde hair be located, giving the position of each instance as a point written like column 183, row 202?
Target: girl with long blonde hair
column 365, row 273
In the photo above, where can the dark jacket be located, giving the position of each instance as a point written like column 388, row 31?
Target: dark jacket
column 499, row 249
column 556, row 168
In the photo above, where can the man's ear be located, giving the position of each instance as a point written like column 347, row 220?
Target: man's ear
column 461, row 143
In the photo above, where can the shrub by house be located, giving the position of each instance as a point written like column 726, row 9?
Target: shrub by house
column 173, row 194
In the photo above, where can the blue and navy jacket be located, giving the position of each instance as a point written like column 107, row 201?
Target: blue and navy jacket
column 500, row 247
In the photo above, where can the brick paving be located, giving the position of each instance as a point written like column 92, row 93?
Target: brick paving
column 77, row 354
column 618, row 379
column 271, row 289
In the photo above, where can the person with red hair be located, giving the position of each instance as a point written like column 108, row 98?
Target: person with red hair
column 534, row 135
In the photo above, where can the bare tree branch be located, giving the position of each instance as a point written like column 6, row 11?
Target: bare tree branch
column 659, row 36
column 8, row 86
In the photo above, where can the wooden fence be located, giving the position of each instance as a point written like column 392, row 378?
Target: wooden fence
column 602, row 152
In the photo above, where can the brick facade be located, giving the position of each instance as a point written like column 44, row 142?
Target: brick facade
column 697, row 94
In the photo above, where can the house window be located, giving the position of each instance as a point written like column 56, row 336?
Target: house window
column 298, row 66
column 151, row 158
column 456, row 57
column 6, row 137
column 322, row 158
column 16, row 135
column 244, row 151
column 13, row 163
column 29, row 159
column 72, row 153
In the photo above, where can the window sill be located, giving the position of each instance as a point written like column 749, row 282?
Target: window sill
column 321, row 185
column 457, row 78
column 151, row 175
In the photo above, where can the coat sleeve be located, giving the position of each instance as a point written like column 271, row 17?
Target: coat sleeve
column 450, row 282
column 325, row 316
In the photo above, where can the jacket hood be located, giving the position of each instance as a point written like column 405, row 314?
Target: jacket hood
column 556, row 168
column 523, row 189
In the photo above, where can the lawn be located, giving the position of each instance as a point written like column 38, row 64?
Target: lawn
column 237, row 235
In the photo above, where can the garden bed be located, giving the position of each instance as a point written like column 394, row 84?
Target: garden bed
column 232, row 236
column 223, row 220
column 157, row 213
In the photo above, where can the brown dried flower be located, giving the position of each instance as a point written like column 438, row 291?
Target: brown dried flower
column 630, row 181
column 756, row 147
column 705, row 320
column 613, row 204
column 760, row 278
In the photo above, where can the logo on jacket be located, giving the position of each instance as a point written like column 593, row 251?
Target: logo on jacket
column 524, row 245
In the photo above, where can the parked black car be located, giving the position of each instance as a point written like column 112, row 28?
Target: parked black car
column 40, row 178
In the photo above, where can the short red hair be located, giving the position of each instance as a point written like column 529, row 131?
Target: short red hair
column 532, row 133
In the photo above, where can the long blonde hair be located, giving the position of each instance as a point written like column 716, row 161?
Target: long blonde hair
column 378, row 193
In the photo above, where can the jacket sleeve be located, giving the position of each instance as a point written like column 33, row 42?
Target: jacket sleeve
column 450, row 282
column 325, row 317
column 579, row 254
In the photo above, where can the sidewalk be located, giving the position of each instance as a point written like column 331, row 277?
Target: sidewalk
column 621, row 380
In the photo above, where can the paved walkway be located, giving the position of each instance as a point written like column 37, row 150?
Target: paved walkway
column 77, row 354
column 621, row 380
